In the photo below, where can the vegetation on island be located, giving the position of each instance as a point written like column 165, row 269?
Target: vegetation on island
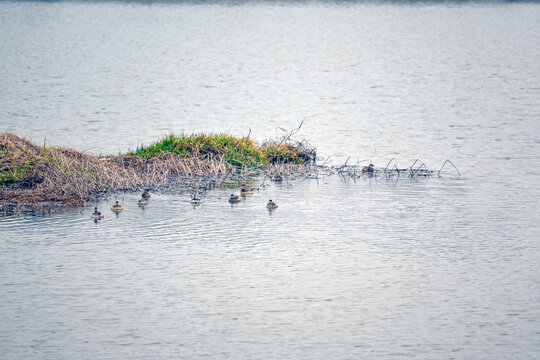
column 30, row 173
column 243, row 152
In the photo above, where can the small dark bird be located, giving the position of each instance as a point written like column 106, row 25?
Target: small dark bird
column 235, row 199
column 97, row 215
column 368, row 169
column 146, row 194
column 117, row 207
column 195, row 199
column 245, row 191
column 143, row 202
column 271, row 205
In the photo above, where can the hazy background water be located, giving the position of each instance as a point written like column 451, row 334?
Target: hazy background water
column 444, row 268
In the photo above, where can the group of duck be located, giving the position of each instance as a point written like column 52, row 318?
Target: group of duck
column 117, row 208
column 97, row 215
column 195, row 200
column 271, row 205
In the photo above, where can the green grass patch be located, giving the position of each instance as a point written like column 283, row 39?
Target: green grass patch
column 17, row 171
column 243, row 151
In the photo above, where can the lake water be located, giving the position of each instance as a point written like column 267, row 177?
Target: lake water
column 430, row 268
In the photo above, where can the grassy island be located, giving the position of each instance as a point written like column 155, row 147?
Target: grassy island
column 30, row 173
column 243, row 152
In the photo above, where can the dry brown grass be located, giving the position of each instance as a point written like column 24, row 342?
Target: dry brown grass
column 60, row 174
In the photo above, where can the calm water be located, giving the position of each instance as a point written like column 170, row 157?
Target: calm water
column 443, row 268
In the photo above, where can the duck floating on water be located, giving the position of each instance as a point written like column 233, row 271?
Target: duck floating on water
column 96, row 215
column 146, row 194
column 271, row 205
column 245, row 191
column 235, row 199
column 195, row 199
column 369, row 169
column 117, row 207
column 142, row 202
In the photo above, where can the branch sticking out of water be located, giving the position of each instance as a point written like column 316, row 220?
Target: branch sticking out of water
column 451, row 163
column 288, row 136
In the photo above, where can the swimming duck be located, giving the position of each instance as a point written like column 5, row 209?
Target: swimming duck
column 96, row 215
column 368, row 169
column 117, row 207
column 235, row 199
column 245, row 191
column 143, row 202
column 146, row 194
column 271, row 205
column 195, row 199
column 277, row 178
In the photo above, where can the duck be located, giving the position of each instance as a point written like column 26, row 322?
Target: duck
column 277, row 178
column 368, row 169
column 271, row 205
column 195, row 199
column 245, row 191
column 117, row 207
column 235, row 199
column 142, row 202
column 146, row 194
column 96, row 215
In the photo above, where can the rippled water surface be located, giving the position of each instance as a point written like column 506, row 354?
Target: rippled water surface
column 430, row 268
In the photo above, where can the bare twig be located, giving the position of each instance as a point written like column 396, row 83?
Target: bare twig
column 451, row 163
